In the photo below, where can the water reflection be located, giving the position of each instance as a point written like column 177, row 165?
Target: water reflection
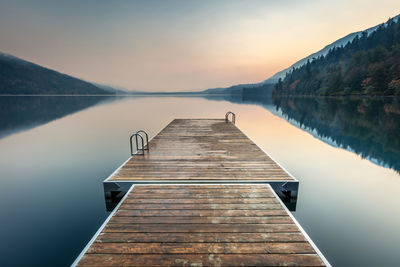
column 20, row 113
column 368, row 127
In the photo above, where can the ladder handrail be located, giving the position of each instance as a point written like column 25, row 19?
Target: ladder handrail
column 146, row 147
column 137, row 144
column 227, row 116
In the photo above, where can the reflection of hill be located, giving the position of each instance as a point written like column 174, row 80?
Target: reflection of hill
column 258, row 95
column 24, row 112
column 368, row 127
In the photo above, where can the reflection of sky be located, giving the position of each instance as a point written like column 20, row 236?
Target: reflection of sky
column 52, row 194
column 179, row 45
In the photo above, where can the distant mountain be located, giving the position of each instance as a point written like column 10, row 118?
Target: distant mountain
column 242, row 89
column 20, row 77
column 113, row 89
column 323, row 52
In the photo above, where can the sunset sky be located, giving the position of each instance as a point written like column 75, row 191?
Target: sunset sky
column 178, row 45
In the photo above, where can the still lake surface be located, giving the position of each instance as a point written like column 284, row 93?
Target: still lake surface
column 56, row 151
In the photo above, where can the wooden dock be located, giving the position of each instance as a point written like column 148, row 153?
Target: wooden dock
column 201, row 225
column 201, row 151
column 204, row 195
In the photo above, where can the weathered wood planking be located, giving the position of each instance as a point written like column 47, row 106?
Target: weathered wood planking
column 207, row 225
column 198, row 150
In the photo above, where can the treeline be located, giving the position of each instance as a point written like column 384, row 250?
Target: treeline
column 243, row 89
column 368, row 65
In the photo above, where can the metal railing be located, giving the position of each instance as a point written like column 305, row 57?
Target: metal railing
column 227, row 116
column 146, row 147
column 138, row 147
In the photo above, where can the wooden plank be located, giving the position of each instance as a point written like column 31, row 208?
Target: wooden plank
column 205, row 186
column 197, row 179
column 203, row 248
column 204, row 200
column 201, row 228
column 200, row 237
column 211, row 206
column 200, row 196
column 201, row 213
column 201, row 260
column 143, row 190
column 197, row 220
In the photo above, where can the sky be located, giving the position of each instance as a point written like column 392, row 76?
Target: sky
column 179, row 45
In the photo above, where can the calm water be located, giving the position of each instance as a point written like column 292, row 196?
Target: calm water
column 55, row 152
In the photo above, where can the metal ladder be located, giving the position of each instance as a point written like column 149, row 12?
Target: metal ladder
column 138, row 148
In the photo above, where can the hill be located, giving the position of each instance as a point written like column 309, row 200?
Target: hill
column 368, row 65
column 324, row 51
column 20, row 77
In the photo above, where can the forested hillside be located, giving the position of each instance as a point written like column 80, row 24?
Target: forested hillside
column 368, row 65
column 18, row 76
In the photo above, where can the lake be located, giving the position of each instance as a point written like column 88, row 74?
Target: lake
column 56, row 151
